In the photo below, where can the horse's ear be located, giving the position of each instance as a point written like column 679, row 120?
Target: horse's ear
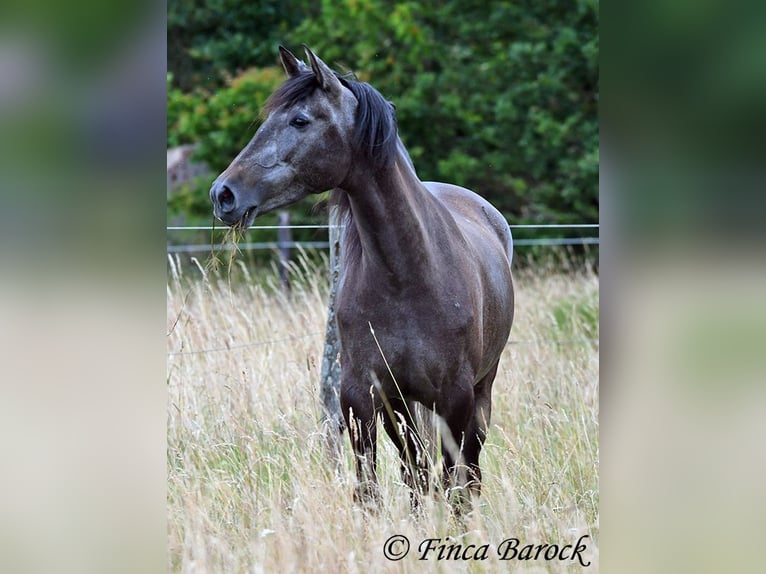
column 326, row 77
column 292, row 65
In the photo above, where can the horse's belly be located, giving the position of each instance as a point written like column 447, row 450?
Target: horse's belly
column 415, row 353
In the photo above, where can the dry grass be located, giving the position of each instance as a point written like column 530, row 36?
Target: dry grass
column 250, row 488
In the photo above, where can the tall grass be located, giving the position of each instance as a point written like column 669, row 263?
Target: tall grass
column 251, row 487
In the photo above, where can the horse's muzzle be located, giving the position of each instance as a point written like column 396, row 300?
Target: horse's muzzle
column 229, row 207
column 224, row 199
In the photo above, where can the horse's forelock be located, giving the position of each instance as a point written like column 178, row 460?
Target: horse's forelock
column 291, row 92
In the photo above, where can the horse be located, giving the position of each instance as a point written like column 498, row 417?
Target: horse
column 425, row 298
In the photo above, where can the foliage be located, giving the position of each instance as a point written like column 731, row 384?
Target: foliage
column 208, row 39
column 220, row 121
column 499, row 97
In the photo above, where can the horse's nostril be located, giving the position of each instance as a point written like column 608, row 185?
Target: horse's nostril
column 226, row 198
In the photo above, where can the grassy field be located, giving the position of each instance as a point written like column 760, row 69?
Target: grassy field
column 250, row 485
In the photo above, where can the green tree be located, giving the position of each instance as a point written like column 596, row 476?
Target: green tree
column 500, row 97
column 209, row 40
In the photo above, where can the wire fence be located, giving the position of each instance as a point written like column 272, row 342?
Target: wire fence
column 271, row 245
column 326, row 226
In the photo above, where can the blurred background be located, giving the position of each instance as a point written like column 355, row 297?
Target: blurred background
column 82, row 306
column 683, row 272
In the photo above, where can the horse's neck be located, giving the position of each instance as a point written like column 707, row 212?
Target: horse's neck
column 391, row 213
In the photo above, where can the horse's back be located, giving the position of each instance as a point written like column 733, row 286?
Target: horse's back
column 471, row 210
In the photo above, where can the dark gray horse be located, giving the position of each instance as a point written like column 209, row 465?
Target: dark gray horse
column 425, row 300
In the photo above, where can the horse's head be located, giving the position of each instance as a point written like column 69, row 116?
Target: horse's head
column 303, row 146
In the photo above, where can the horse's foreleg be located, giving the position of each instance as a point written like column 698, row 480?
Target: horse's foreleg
column 359, row 412
column 456, row 412
column 400, row 426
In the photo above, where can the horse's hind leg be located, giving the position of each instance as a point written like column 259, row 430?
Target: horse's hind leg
column 359, row 412
column 476, row 432
column 400, row 426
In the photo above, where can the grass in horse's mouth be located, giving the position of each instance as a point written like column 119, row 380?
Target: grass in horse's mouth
column 245, row 220
column 241, row 225
column 232, row 236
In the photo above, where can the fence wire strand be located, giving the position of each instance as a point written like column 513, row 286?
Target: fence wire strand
column 251, row 246
column 326, row 226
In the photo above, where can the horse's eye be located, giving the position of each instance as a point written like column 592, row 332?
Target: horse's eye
column 299, row 122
